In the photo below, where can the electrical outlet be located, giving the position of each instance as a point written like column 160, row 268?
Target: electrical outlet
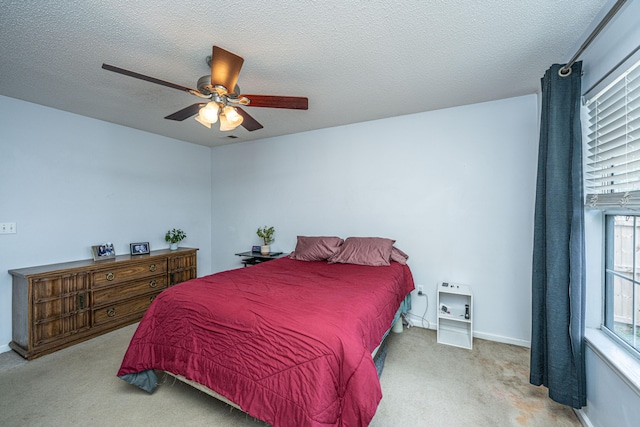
column 420, row 290
column 7, row 227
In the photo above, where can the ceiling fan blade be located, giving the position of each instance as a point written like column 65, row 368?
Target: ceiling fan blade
column 225, row 68
column 185, row 113
column 146, row 78
column 248, row 122
column 272, row 101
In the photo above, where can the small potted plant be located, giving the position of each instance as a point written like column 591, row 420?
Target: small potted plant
column 174, row 236
column 266, row 234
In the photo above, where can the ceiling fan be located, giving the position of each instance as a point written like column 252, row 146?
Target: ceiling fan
column 223, row 93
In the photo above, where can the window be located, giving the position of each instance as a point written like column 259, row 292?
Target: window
column 622, row 278
column 612, row 184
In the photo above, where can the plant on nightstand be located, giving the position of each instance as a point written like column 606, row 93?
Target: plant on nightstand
column 266, row 234
column 174, row 236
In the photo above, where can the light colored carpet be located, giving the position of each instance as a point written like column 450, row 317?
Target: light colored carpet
column 424, row 384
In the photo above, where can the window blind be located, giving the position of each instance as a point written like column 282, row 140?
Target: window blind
column 612, row 167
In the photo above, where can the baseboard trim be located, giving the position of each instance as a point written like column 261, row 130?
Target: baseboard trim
column 4, row 348
column 583, row 418
column 418, row 322
column 502, row 339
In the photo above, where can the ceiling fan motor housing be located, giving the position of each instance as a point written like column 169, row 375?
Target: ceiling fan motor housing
column 204, row 85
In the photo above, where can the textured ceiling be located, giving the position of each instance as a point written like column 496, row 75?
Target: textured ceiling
column 355, row 60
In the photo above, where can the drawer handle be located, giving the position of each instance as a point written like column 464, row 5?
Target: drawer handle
column 110, row 276
column 152, row 284
column 151, row 298
column 111, row 312
column 152, row 267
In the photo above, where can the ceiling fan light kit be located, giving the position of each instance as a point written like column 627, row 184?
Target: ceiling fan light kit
column 199, row 120
column 209, row 113
column 229, row 119
column 232, row 116
column 225, row 105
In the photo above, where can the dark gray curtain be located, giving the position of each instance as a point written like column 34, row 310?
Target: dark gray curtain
column 557, row 336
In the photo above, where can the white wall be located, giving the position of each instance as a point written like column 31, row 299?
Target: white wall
column 454, row 187
column 70, row 182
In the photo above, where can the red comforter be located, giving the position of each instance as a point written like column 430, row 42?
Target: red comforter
column 289, row 341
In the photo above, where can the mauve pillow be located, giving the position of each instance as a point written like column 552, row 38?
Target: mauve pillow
column 398, row 256
column 374, row 251
column 316, row 248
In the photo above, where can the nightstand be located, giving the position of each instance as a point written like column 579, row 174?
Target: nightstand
column 252, row 258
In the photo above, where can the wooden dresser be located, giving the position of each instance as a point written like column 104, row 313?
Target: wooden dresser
column 55, row 306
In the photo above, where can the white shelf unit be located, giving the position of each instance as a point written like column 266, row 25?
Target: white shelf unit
column 453, row 328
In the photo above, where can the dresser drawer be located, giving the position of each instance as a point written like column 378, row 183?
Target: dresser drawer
column 128, row 272
column 110, row 294
column 132, row 308
column 46, row 331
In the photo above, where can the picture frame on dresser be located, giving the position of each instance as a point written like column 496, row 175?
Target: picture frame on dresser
column 103, row 252
column 140, row 248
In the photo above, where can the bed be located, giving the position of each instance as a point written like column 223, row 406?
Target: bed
column 289, row 341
